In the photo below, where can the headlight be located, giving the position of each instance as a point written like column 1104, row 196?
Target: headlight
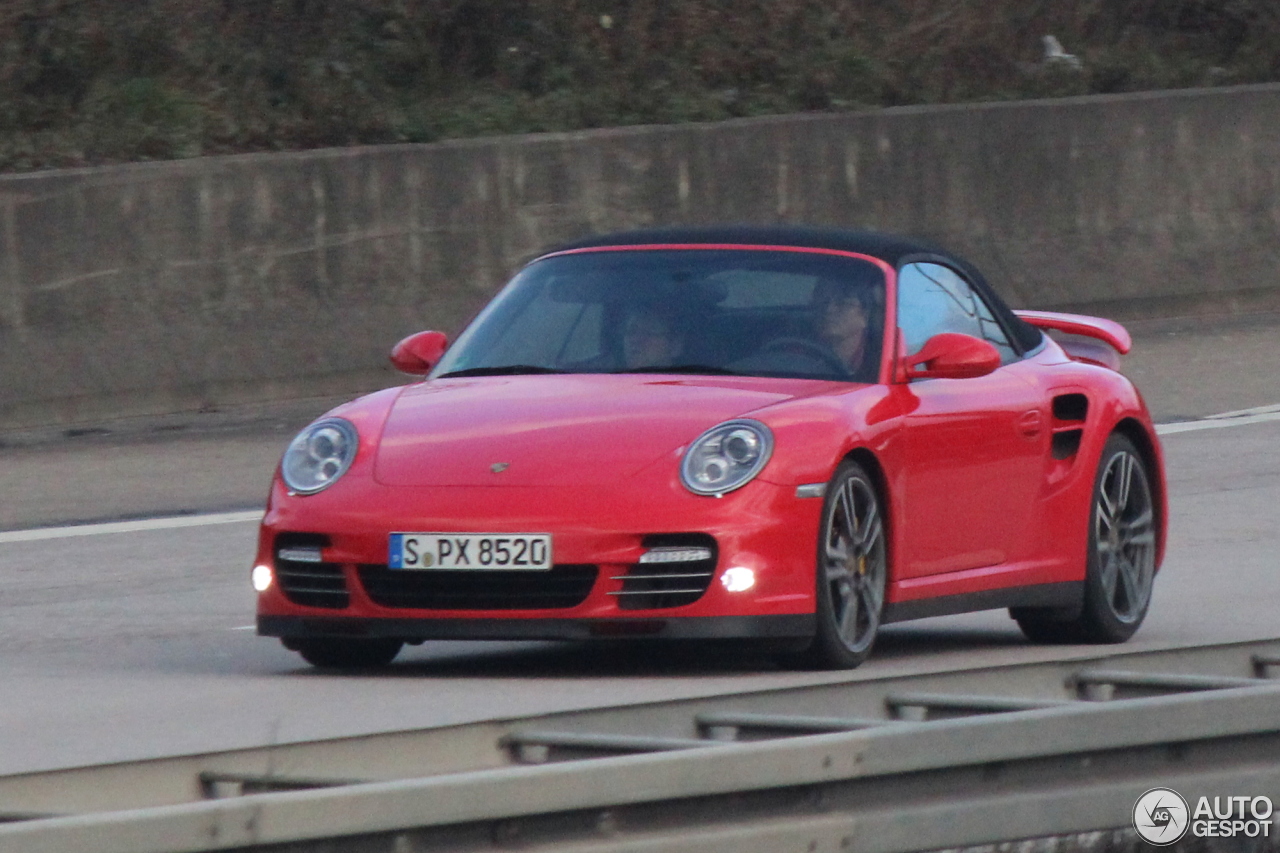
column 319, row 455
column 726, row 457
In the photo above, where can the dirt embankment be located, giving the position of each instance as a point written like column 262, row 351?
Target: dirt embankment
column 98, row 81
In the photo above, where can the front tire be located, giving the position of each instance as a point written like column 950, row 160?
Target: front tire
column 852, row 571
column 1121, row 559
column 345, row 653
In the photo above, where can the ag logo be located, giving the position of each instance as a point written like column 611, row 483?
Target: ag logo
column 1161, row 816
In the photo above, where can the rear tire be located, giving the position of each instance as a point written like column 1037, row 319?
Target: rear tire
column 1121, row 559
column 346, row 653
column 852, row 572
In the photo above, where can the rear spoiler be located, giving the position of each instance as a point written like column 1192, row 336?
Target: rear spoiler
column 1109, row 332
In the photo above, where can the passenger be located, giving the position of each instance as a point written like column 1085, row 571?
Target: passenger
column 651, row 337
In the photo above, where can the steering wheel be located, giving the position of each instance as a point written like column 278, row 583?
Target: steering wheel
column 810, row 349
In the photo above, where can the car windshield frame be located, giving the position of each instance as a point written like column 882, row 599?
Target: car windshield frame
column 761, row 311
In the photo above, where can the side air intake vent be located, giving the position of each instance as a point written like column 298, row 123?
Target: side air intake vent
column 1070, row 407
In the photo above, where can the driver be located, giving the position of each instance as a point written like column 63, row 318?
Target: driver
column 843, row 313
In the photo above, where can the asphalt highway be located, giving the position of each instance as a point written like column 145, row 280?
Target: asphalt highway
column 138, row 642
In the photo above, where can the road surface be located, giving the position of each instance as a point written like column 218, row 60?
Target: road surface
column 135, row 643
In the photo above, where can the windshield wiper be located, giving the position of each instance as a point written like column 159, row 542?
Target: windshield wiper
column 683, row 368
column 504, row 370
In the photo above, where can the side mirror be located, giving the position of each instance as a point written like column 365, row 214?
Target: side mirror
column 417, row 354
column 953, row 356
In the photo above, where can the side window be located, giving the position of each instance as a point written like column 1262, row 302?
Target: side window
column 934, row 299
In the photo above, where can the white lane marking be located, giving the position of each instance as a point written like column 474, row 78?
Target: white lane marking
column 1228, row 419
column 243, row 628
column 1256, row 410
column 128, row 526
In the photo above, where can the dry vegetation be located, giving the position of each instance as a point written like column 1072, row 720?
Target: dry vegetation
column 99, row 81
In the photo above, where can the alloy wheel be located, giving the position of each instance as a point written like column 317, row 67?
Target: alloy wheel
column 1125, row 537
column 853, row 562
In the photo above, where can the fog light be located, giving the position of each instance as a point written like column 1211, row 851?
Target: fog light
column 675, row 555
column 738, row 579
column 309, row 554
column 261, row 578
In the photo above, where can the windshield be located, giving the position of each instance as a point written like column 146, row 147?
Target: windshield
column 710, row 311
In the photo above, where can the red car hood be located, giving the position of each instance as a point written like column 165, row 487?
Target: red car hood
column 557, row 430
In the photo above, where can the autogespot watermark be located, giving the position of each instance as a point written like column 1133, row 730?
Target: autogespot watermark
column 1162, row 816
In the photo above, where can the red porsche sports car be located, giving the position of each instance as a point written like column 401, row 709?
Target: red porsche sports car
column 786, row 434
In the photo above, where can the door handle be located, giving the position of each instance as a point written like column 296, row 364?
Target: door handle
column 1030, row 423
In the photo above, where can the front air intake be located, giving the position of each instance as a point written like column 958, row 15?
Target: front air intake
column 303, row 576
column 675, row 570
column 562, row 587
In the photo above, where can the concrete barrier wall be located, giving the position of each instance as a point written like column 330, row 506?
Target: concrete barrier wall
column 164, row 287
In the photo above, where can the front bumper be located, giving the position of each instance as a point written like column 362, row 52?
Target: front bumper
column 763, row 527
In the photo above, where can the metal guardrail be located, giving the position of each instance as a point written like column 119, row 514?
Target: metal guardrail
column 742, row 773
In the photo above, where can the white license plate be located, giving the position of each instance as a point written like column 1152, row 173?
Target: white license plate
column 530, row 551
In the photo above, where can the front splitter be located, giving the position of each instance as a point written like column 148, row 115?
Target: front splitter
column 678, row 628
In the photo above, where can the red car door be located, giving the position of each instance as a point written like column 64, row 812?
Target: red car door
column 975, row 447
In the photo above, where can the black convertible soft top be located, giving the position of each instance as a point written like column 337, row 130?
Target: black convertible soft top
column 890, row 248
column 887, row 247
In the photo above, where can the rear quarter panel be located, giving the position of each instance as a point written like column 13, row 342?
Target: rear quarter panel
column 1114, row 404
